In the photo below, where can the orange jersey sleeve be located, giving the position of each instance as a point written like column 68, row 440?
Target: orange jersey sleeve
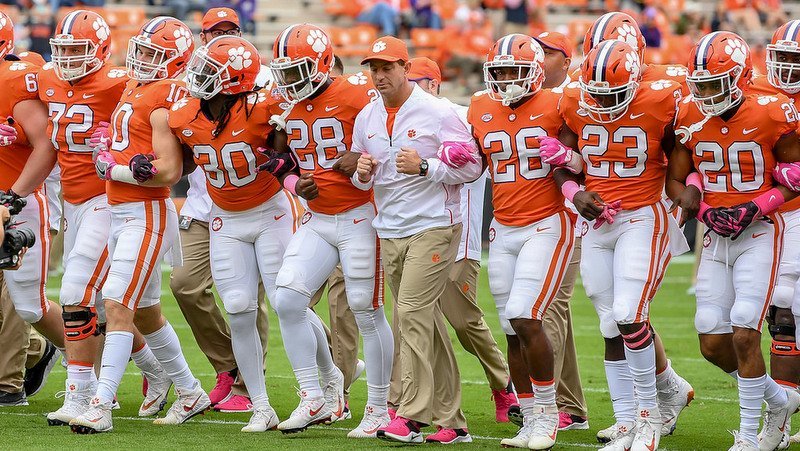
column 523, row 189
column 20, row 82
column 672, row 72
column 133, row 134
column 75, row 110
column 322, row 127
column 623, row 160
column 735, row 157
column 229, row 160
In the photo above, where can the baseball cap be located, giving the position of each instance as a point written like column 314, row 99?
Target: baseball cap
column 422, row 68
column 387, row 48
column 216, row 16
column 555, row 41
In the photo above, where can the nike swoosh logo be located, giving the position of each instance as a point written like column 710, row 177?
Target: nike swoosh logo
column 189, row 408
column 634, row 221
column 237, row 132
column 278, row 217
column 149, row 404
column 652, row 445
column 328, row 109
column 636, row 116
column 99, row 208
column 339, row 411
column 88, row 96
column 370, row 136
column 356, row 221
column 771, row 198
column 756, row 235
column 138, row 95
column 533, row 118
column 313, row 412
column 372, row 431
column 748, row 131
column 553, row 435
column 542, row 229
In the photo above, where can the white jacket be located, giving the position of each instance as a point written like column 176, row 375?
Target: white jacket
column 409, row 204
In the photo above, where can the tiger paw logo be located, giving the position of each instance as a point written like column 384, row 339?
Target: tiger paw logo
column 436, row 258
column 357, row 79
column 256, row 97
column 677, row 71
column 239, row 58
column 306, row 218
column 737, row 51
column 101, row 29
column 18, row 66
column 632, row 64
column 707, row 240
column 584, row 229
column 378, row 47
column 222, row 14
column 180, row 104
column 766, row 100
column 627, row 34
column 318, row 41
column 117, row 73
column 659, row 85
column 465, row 288
column 412, row 133
column 216, row 224
column 492, row 234
column 183, row 39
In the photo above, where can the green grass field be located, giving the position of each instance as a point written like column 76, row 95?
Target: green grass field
column 703, row 426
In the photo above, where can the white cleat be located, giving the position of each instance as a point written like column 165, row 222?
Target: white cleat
column 76, row 401
column 373, row 420
column 97, row 418
column 262, row 420
column 648, row 430
column 310, row 411
column 672, row 401
column 334, row 397
column 622, row 438
column 523, row 436
column 740, row 444
column 545, row 427
column 608, row 434
column 360, row 367
column 157, row 391
column 776, row 423
column 189, row 404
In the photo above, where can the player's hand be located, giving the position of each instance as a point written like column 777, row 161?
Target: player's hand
column 7, row 198
column 366, row 166
column 8, row 134
column 142, row 167
column 306, row 188
column 607, row 216
column 278, row 164
column 788, row 175
column 101, row 137
column 408, row 161
column 456, row 154
column 719, row 221
column 552, row 151
column 589, row 204
column 689, row 203
column 103, row 163
column 347, row 163
column 743, row 215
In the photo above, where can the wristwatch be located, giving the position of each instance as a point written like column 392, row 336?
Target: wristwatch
column 423, row 168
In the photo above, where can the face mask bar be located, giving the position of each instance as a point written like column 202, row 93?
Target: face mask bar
column 296, row 79
column 511, row 91
column 148, row 68
column 723, row 97
column 73, row 67
column 205, row 77
column 784, row 75
column 623, row 95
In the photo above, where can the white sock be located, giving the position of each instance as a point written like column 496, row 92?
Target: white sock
column 664, row 378
column 299, row 338
column 620, row 387
column 327, row 369
column 751, row 396
column 378, row 351
column 544, row 393
column 642, row 364
column 167, row 348
column 80, row 372
column 146, row 361
column 377, row 396
column 249, row 354
column 116, row 352
column 774, row 394
column 526, row 405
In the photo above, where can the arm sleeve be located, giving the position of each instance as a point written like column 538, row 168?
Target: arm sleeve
column 452, row 128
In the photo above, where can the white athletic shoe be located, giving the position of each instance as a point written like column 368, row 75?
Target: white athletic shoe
column 97, row 418
column 157, row 391
column 622, row 438
column 262, row 420
column 776, row 423
column 310, row 411
column 672, row 401
column 373, row 420
column 360, row 367
column 189, row 403
column 610, row 433
column 648, row 430
column 523, row 436
column 76, row 401
column 545, row 427
column 740, row 444
column 334, row 397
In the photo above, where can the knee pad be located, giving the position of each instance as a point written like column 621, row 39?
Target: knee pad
column 80, row 324
column 360, row 300
column 236, row 301
column 745, row 315
column 709, row 319
column 30, row 316
column 608, row 327
column 782, row 296
column 289, row 304
column 623, row 312
column 289, row 278
column 506, row 326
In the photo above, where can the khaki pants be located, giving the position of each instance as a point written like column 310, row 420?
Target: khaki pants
column 417, row 268
column 22, row 347
column 191, row 284
column 558, row 327
column 343, row 333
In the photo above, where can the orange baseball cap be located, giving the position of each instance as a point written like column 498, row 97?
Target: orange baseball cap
column 216, row 16
column 556, row 41
column 422, row 68
column 387, row 48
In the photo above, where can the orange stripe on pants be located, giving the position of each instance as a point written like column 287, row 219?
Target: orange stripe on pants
column 162, row 227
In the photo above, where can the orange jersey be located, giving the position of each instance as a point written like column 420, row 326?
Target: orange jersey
column 623, row 160
column 735, row 156
column 33, row 58
column 75, row 111
column 523, row 189
column 321, row 127
column 672, row 72
column 230, row 160
column 133, row 134
column 19, row 82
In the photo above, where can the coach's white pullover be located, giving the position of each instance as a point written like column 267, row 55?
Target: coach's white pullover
column 409, row 204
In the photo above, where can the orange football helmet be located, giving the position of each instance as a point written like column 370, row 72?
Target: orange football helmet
column 301, row 61
column 615, row 26
column 719, row 70
column 609, row 79
column 160, row 51
column 516, row 51
column 227, row 65
column 783, row 58
column 6, row 35
column 81, row 45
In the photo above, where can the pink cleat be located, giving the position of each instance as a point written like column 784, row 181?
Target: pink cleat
column 503, row 401
column 568, row 421
column 449, row 436
column 222, row 390
column 392, row 413
column 234, row 404
column 401, row 430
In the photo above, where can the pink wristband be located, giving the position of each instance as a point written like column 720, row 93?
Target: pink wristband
column 694, row 180
column 703, row 208
column 569, row 188
column 769, row 201
column 289, row 182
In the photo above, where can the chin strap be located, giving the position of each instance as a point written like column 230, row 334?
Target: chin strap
column 684, row 134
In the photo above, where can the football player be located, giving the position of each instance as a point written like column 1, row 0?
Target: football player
column 143, row 219
column 81, row 91
column 336, row 228
column 224, row 123
column 622, row 128
column 734, row 140
column 530, row 222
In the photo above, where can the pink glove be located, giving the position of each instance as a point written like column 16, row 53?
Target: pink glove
column 553, row 152
column 456, row 154
column 607, row 216
column 8, row 134
column 788, row 175
column 101, row 137
column 103, row 163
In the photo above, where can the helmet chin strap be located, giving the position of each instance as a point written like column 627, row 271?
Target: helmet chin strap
column 512, row 93
column 684, row 134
